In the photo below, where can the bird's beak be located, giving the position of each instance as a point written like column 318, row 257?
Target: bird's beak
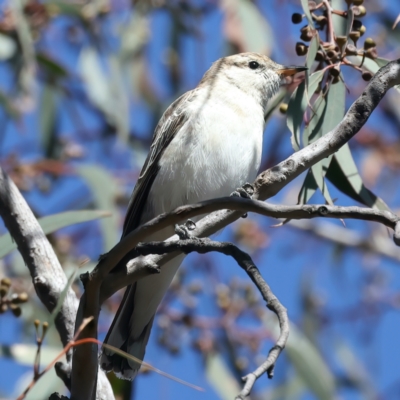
column 290, row 70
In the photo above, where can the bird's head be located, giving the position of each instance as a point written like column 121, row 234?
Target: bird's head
column 253, row 73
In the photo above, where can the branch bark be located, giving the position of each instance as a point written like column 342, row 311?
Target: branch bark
column 48, row 277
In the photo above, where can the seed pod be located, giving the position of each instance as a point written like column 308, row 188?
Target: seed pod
column 359, row 11
column 332, row 55
column 357, row 24
column 362, row 30
column 19, row 298
column 366, row 76
column 369, row 43
column 312, row 5
column 349, row 2
column 283, row 108
column 3, row 308
column 358, row 2
column 335, row 79
column 351, row 50
column 301, row 49
column 16, row 310
column 6, row 282
column 319, row 56
column 371, row 53
column 297, row 18
column 3, row 290
column 354, row 36
column 335, row 71
column 341, row 40
column 36, row 322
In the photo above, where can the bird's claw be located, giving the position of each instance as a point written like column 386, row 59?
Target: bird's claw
column 183, row 231
column 246, row 192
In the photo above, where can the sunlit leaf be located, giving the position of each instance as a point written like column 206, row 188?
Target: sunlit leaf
column 220, row 377
column 54, row 222
column 304, row 4
column 297, row 106
column 343, row 173
column 104, row 190
column 312, row 50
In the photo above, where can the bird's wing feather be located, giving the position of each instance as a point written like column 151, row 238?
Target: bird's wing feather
column 172, row 120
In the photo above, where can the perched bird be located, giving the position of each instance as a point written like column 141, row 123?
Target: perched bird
column 207, row 144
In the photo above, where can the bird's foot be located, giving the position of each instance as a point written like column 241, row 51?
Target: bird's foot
column 183, row 231
column 246, row 192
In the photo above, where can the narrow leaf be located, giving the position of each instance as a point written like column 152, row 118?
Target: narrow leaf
column 304, row 4
column 298, row 104
column 52, row 223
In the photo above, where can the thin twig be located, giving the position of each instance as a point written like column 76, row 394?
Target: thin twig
column 206, row 245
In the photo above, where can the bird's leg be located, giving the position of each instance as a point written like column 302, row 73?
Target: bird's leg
column 246, row 191
column 183, row 231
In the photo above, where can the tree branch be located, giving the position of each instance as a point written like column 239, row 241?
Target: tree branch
column 206, row 245
column 48, row 277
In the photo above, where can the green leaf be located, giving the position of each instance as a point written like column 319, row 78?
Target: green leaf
column 312, row 50
column 257, row 34
column 48, row 109
column 339, row 23
column 104, row 190
column 343, row 173
column 306, row 359
column 24, row 354
column 52, row 223
column 304, row 4
column 52, row 67
column 298, row 104
column 220, row 377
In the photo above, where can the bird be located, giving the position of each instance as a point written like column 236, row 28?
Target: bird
column 207, row 143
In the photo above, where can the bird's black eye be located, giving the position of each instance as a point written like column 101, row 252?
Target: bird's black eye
column 254, row 64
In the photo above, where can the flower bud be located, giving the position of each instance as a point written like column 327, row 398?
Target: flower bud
column 359, row 11
column 283, row 108
column 369, row 43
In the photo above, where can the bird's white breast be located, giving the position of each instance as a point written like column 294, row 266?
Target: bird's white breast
column 217, row 150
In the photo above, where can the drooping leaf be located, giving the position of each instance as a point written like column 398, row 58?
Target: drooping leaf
column 48, row 109
column 312, row 50
column 52, row 223
column 343, row 173
column 306, row 359
column 52, row 67
column 297, row 106
column 104, row 190
column 304, row 4
column 220, row 377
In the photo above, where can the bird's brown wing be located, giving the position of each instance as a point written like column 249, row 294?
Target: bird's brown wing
column 172, row 120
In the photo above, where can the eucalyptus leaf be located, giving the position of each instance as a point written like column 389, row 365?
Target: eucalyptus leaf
column 343, row 173
column 298, row 104
column 312, row 50
column 220, row 377
column 304, row 4
column 52, row 223
column 104, row 191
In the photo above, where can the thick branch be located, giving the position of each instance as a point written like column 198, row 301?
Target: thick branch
column 206, row 245
column 47, row 274
column 137, row 268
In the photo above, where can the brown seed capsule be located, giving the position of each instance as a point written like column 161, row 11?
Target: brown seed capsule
column 366, row 76
column 283, row 108
column 335, row 71
column 351, row 50
column 16, row 310
column 301, row 49
column 19, row 298
column 371, row 53
column 297, row 18
column 332, row 55
column 358, row 2
column 3, row 290
column 357, row 24
column 359, row 11
column 5, row 282
column 335, row 79
column 362, row 30
column 319, row 56
column 341, row 40
column 354, row 36
column 349, row 2
column 369, row 43
column 36, row 322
